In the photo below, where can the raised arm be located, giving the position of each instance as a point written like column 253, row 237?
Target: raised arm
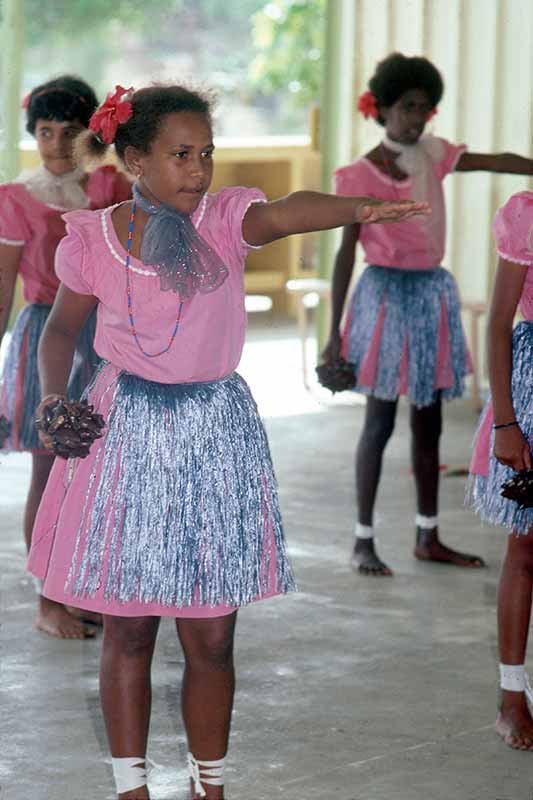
column 303, row 212
column 342, row 275
column 509, row 163
column 510, row 446
column 10, row 257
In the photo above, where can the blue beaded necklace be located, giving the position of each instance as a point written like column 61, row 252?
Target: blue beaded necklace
column 133, row 330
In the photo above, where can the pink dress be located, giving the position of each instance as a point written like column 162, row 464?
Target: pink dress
column 38, row 228
column 403, row 331
column 513, row 231
column 207, row 560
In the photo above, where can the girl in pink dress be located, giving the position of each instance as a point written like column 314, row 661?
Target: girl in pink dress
column 403, row 329
column 31, row 227
column 503, row 445
column 174, row 512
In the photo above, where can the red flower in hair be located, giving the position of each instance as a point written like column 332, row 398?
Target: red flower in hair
column 432, row 113
column 25, row 103
column 112, row 113
column 367, row 105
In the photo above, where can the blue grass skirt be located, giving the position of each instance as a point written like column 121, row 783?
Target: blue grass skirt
column 20, row 390
column 174, row 512
column 486, row 474
column 404, row 335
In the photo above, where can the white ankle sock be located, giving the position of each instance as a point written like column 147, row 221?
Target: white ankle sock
column 364, row 531
column 128, row 773
column 514, row 678
column 426, row 522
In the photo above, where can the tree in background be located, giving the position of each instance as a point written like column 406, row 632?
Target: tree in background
column 289, row 36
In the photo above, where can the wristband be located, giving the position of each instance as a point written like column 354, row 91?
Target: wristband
column 505, row 425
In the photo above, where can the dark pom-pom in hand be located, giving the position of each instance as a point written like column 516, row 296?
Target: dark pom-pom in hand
column 72, row 427
column 520, row 489
column 337, row 376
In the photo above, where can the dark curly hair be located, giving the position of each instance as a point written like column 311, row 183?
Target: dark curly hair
column 150, row 106
column 62, row 99
column 398, row 74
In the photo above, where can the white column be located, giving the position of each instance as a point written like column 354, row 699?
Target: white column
column 12, row 43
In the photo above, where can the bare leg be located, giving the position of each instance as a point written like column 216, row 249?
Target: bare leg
column 125, row 687
column 52, row 617
column 426, row 428
column 514, row 723
column 378, row 426
column 208, row 688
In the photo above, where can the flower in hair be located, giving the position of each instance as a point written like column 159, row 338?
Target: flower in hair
column 26, row 102
column 113, row 112
column 367, row 105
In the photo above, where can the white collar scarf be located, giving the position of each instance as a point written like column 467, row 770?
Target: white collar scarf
column 416, row 160
column 61, row 192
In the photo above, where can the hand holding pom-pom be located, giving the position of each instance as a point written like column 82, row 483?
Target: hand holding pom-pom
column 520, row 489
column 337, row 376
column 68, row 429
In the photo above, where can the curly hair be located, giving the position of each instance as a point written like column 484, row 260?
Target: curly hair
column 398, row 74
column 63, row 99
column 150, row 106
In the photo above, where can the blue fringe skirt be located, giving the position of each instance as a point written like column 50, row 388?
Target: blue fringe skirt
column 404, row 335
column 175, row 510
column 486, row 474
column 20, row 390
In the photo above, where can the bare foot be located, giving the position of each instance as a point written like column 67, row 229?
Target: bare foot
column 514, row 722
column 429, row 548
column 54, row 619
column 85, row 616
column 366, row 561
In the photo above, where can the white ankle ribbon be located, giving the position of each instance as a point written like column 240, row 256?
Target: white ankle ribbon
column 364, row 531
column 209, row 772
column 426, row 522
column 514, row 678
column 129, row 774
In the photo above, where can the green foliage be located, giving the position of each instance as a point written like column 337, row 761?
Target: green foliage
column 289, row 36
column 81, row 16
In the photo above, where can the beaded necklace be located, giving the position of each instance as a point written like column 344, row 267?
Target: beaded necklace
column 130, row 301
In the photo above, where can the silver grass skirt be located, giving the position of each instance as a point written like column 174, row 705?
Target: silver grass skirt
column 483, row 491
column 417, row 316
column 20, row 390
column 180, row 507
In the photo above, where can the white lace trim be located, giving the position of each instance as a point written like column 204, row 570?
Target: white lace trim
column 514, row 260
column 119, row 258
column 12, row 242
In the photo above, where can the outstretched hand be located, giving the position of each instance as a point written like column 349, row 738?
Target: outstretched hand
column 391, row 210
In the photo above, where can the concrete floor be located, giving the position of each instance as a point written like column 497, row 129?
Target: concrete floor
column 353, row 689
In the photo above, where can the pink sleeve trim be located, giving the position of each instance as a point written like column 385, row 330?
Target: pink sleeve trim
column 243, row 240
column 515, row 260
column 12, row 242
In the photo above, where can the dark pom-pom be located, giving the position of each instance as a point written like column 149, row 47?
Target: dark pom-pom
column 519, row 488
column 337, row 376
column 73, row 427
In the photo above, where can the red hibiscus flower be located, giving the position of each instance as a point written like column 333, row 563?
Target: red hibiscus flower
column 367, row 105
column 113, row 112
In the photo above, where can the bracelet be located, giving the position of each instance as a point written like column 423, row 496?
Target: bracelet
column 505, row 425
column 53, row 396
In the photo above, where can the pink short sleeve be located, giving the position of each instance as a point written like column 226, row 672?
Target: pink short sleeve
column 72, row 262
column 14, row 229
column 350, row 180
column 513, row 229
column 231, row 207
column 107, row 186
column 452, row 154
